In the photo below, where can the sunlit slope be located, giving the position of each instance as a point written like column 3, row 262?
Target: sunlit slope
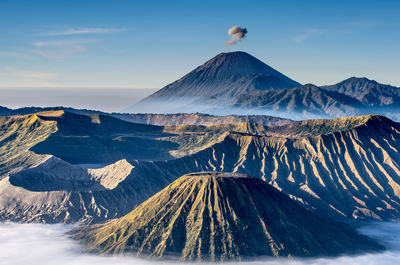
column 17, row 135
column 223, row 216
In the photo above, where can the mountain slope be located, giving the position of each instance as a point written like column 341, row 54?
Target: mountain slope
column 224, row 77
column 302, row 102
column 223, row 216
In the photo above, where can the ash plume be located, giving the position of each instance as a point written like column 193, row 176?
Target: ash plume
column 237, row 33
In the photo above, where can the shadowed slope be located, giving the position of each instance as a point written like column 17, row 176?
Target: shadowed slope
column 223, row 216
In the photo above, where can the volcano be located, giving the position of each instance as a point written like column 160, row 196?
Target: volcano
column 222, row 216
column 222, row 78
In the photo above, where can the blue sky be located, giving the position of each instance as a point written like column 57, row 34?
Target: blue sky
column 147, row 44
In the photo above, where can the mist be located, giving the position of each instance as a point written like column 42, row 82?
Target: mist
column 103, row 99
column 39, row 244
column 218, row 108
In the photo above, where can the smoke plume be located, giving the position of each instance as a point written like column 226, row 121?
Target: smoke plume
column 237, row 33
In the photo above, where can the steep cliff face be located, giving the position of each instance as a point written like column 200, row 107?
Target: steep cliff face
column 222, row 216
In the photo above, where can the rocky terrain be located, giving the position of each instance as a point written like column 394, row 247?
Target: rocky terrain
column 66, row 167
column 222, row 216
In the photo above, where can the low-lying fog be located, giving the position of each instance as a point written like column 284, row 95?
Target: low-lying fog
column 104, row 99
column 47, row 244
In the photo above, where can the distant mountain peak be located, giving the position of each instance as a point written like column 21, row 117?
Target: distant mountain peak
column 231, row 55
column 237, row 62
column 309, row 86
column 369, row 92
column 363, row 80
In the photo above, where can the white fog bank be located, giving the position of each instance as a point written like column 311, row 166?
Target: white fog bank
column 104, row 99
column 37, row 244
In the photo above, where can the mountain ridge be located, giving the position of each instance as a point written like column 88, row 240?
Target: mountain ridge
column 303, row 100
column 369, row 92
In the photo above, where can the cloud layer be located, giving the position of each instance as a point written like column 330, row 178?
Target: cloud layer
column 82, row 31
column 36, row 244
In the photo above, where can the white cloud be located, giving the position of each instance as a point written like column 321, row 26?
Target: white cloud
column 36, row 244
column 82, row 31
column 307, row 34
column 13, row 54
column 11, row 77
column 359, row 25
column 30, row 74
column 60, row 53
column 60, row 43
column 60, row 49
